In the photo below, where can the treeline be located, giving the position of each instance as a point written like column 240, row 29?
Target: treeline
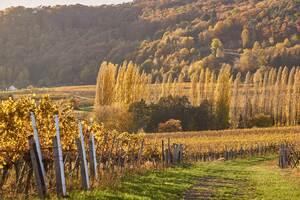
column 63, row 45
column 269, row 91
column 172, row 114
column 269, row 96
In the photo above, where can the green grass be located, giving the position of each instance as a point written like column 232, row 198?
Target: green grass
column 86, row 109
column 241, row 179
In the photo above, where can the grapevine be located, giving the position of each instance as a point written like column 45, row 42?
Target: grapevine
column 16, row 127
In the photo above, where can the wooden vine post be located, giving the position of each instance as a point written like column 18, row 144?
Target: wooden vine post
column 162, row 152
column 93, row 160
column 83, row 162
column 59, row 162
column 37, row 166
column 283, row 156
column 169, row 160
column 37, row 144
column 180, row 159
column 175, row 153
column 140, row 152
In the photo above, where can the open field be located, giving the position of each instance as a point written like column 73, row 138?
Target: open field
column 82, row 92
column 82, row 96
column 255, row 178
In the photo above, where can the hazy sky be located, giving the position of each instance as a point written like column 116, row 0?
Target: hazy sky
column 35, row 3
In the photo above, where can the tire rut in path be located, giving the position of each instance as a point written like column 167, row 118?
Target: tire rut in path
column 209, row 187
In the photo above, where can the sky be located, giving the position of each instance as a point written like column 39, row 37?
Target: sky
column 34, row 3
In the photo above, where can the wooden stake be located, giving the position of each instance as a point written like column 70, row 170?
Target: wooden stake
column 59, row 162
column 37, row 144
column 169, row 152
column 93, row 160
column 140, row 152
column 83, row 161
column 37, row 168
column 162, row 152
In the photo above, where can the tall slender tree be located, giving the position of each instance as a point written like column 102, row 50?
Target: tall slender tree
column 105, row 87
column 223, row 93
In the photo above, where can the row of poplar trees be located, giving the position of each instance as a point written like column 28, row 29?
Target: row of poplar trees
column 233, row 98
column 120, row 84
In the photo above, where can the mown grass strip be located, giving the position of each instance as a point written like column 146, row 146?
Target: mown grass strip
column 239, row 179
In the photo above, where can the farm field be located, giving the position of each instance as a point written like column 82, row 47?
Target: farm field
column 82, row 96
column 255, row 178
column 115, row 154
column 205, row 142
column 87, row 91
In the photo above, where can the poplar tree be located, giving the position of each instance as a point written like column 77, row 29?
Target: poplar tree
column 246, row 101
column 194, row 90
column 212, row 86
column 174, row 87
column 282, row 96
column 276, row 97
column 200, row 90
column 223, row 92
column 257, row 78
column 288, row 97
column 271, row 91
column 120, row 87
column 128, row 83
column 169, row 85
column 234, row 114
column 206, row 83
column 295, row 98
column 264, row 92
column 163, row 85
column 105, row 87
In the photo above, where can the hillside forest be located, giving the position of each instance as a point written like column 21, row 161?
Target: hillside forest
column 63, row 45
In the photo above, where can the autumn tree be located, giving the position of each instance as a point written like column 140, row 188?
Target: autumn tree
column 216, row 47
column 223, row 95
column 105, row 87
column 245, row 37
column 235, row 101
column 288, row 98
column 194, row 89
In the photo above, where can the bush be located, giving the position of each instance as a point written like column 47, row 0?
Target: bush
column 171, row 125
column 192, row 118
column 261, row 120
column 114, row 117
column 141, row 114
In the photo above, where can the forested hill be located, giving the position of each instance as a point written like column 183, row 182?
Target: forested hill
column 64, row 45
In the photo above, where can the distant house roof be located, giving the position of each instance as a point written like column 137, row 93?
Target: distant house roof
column 11, row 88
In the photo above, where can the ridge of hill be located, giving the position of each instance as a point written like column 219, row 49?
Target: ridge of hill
column 64, row 45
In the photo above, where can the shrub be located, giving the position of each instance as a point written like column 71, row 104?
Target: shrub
column 261, row 120
column 114, row 117
column 172, row 125
column 192, row 118
column 141, row 114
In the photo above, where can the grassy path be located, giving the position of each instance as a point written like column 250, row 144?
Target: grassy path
column 257, row 178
